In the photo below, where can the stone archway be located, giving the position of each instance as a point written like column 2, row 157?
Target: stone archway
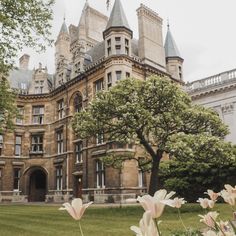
column 37, row 185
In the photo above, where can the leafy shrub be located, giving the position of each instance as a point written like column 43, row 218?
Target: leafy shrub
column 191, row 179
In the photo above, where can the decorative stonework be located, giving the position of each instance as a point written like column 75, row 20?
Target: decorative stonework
column 227, row 108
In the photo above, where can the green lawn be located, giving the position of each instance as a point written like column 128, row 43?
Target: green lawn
column 19, row 220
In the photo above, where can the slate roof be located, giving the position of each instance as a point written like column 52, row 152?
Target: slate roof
column 98, row 51
column 20, row 79
column 64, row 28
column 117, row 17
column 171, row 48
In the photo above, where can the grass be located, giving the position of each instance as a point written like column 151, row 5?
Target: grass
column 32, row 220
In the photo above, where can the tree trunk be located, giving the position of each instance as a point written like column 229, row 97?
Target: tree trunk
column 154, row 181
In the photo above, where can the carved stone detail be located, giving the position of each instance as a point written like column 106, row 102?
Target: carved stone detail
column 227, row 108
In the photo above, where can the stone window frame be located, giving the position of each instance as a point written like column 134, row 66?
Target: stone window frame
column 140, row 178
column 78, row 152
column 109, row 80
column 78, row 102
column 16, row 179
column 18, row 143
column 60, row 109
column 99, row 85
column 108, row 47
column 59, row 177
column 60, row 141
column 118, row 75
column 21, row 110
column 99, row 138
column 38, row 115
column 100, row 174
column 37, row 144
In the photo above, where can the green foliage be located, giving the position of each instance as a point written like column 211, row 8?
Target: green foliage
column 191, row 179
column 8, row 109
column 23, row 23
column 190, row 232
column 159, row 116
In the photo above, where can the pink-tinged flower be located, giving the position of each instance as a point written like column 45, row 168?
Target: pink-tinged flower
column 176, row 202
column 76, row 209
column 146, row 227
column 209, row 219
column 154, row 203
column 205, row 203
column 228, row 197
column 224, row 226
column 213, row 196
column 230, row 189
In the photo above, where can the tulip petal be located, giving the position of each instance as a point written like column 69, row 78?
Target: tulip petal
column 77, row 206
column 70, row 210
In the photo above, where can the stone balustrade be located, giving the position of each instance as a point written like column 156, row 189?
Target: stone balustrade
column 212, row 81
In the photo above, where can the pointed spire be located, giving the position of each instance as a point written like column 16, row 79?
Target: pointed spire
column 171, row 48
column 117, row 17
column 63, row 26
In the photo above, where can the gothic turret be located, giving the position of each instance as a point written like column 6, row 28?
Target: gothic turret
column 117, row 37
column 62, row 55
column 117, row 34
column 174, row 62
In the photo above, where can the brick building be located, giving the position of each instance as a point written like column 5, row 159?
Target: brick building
column 42, row 160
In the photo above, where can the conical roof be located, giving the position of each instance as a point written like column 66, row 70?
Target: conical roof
column 64, row 28
column 117, row 17
column 171, row 48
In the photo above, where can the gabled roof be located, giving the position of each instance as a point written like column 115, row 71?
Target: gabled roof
column 117, row 17
column 171, row 48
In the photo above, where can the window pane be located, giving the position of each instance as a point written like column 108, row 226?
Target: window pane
column 18, row 150
column 18, row 139
column 118, row 75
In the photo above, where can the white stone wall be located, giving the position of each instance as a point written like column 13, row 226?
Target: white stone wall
column 224, row 103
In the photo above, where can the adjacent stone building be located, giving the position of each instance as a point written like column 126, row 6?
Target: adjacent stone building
column 42, row 160
column 219, row 93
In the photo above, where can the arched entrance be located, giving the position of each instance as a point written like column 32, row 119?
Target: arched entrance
column 37, row 186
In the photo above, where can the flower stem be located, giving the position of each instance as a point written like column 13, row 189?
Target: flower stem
column 159, row 233
column 81, row 231
column 180, row 218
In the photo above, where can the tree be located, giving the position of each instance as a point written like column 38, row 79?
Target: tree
column 8, row 110
column 23, row 23
column 155, row 113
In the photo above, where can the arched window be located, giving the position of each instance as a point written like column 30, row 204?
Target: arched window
column 78, row 102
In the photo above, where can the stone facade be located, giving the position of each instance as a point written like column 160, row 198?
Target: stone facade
column 42, row 160
column 219, row 93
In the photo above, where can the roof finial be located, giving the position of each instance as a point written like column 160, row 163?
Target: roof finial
column 168, row 24
column 64, row 18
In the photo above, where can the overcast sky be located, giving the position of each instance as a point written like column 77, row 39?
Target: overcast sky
column 204, row 31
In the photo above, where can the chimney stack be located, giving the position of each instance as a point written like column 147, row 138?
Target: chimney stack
column 24, row 62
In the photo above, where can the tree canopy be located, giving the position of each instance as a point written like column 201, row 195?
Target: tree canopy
column 157, row 114
column 23, row 23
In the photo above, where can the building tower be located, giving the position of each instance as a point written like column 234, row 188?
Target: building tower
column 174, row 62
column 62, row 55
column 117, row 37
column 150, row 44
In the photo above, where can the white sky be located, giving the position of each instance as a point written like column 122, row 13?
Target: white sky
column 203, row 30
